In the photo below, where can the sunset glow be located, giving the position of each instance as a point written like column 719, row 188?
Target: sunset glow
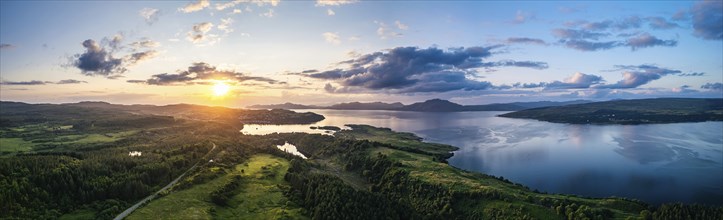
column 220, row 89
column 326, row 52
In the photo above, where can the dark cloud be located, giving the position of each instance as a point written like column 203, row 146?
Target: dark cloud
column 529, row 85
column 692, row 74
column 647, row 40
column 199, row 32
column 70, row 81
column 605, row 34
column 584, row 45
column 413, row 70
column 23, row 83
column 573, row 34
column 97, row 61
column 6, row 46
column 634, row 76
column 526, row 64
column 141, row 56
column 200, row 73
column 661, row 23
column 525, row 40
column 597, row 26
column 309, row 71
column 629, row 23
column 712, row 86
column 708, row 19
column 38, row 82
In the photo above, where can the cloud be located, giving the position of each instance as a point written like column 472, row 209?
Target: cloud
column 712, row 86
column 225, row 25
column 150, row 15
column 23, row 83
column 38, row 82
column 692, row 74
column 268, row 14
column 198, row 32
column 577, row 34
column 415, row 70
column 585, row 40
column 708, row 20
column 97, row 61
column 332, row 38
column 330, row 12
column 522, row 17
column 683, row 89
column 576, row 81
column 400, row 25
column 661, row 23
column 195, row 6
column 334, row 2
column 681, row 15
column 584, row 45
column 142, row 56
column 525, row 40
column 146, row 43
column 647, row 40
column 635, row 76
column 384, row 32
column 512, row 63
column 6, row 46
column 70, row 81
column 200, row 73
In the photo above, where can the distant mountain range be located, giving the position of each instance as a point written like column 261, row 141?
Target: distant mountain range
column 433, row 105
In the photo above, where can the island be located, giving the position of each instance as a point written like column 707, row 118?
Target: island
column 636, row 111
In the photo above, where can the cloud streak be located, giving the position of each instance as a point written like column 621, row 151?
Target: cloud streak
column 38, row 82
column 200, row 73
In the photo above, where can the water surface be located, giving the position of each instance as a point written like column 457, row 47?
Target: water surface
column 657, row 163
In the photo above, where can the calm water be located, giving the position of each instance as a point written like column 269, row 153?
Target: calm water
column 654, row 163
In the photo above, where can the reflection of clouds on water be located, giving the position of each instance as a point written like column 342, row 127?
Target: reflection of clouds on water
column 643, row 151
column 655, row 163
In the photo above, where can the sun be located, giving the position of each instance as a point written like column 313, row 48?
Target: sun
column 220, row 89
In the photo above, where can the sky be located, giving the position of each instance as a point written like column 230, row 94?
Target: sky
column 325, row 52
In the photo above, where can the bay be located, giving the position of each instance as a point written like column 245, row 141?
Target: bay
column 656, row 163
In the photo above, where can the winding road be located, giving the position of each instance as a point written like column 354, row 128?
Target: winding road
column 130, row 210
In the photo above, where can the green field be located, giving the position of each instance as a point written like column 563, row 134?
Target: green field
column 15, row 145
column 259, row 197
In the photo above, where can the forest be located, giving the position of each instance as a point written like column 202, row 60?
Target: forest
column 75, row 162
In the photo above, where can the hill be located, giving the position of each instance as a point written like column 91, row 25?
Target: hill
column 432, row 105
column 638, row 111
